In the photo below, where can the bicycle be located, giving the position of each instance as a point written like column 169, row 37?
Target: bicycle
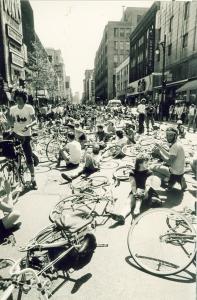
column 14, row 168
column 65, row 245
column 162, row 241
column 89, row 184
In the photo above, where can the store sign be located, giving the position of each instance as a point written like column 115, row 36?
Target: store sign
column 141, row 85
column 13, row 34
column 17, row 60
column 13, row 9
column 150, row 50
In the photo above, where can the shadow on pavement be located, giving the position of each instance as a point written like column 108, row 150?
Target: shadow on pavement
column 174, row 198
column 183, row 277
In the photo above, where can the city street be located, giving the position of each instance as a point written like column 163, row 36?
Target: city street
column 111, row 274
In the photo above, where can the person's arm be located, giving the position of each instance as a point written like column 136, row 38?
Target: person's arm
column 33, row 119
column 133, row 184
column 4, row 206
column 168, row 157
column 10, row 118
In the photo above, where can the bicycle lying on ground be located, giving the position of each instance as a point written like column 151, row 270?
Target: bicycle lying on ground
column 163, row 241
column 65, row 245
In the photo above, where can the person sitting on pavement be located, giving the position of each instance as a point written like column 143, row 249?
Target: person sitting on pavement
column 9, row 222
column 101, row 136
column 80, row 135
column 174, row 158
column 91, row 164
column 71, row 153
column 130, row 133
column 181, row 129
column 111, row 129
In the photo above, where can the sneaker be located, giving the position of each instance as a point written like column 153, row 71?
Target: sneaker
column 34, row 185
column 66, row 177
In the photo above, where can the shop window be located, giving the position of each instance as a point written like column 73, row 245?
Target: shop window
column 169, row 49
column 185, row 40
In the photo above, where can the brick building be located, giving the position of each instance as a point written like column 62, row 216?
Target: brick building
column 122, row 80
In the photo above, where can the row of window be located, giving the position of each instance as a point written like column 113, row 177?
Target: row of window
column 121, row 45
column 122, row 32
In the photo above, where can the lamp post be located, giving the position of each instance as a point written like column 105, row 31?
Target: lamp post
column 163, row 45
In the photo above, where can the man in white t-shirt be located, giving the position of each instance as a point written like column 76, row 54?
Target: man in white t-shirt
column 141, row 109
column 175, row 158
column 71, row 153
column 22, row 117
column 191, row 114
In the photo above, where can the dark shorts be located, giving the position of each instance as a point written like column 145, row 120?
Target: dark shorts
column 71, row 166
column 175, row 178
column 2, row 228
column 26, row 145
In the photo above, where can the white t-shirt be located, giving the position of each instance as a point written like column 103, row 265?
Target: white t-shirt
column 177, row 167
column 191, row 111
column 22, row 117
column 121, row 142
column 74, row 150
column 141, row 108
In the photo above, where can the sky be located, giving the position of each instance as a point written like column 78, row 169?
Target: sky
column 76, row 27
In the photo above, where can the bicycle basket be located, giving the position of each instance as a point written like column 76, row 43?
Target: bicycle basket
column 7, row 149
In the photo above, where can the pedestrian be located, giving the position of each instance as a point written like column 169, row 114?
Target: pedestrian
column 191, row 114
column 141, row 109
column 150, row 110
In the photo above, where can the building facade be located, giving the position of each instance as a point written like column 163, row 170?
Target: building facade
column 142, row 55
column 88, row 87
column 68, row 91
column 122, row 80
column 112, row 51
column 12, row 48
column 177, row 22
column 55, row 57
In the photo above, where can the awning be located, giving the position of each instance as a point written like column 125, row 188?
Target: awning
column 170, row 84
column 189, row 86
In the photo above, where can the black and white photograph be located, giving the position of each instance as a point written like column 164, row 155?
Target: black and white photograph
column 98, row 150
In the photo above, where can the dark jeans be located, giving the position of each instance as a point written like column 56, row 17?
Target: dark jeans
column 141, row 122
column 26, row 145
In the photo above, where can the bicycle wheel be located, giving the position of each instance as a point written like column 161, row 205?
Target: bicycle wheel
column 129, row 150
column 156, row 248
column 90, row 183
column 52, row 150
column 110, row 153
column 122, row 173
column 71, row 202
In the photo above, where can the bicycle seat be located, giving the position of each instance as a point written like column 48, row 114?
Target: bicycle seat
column 74, row 221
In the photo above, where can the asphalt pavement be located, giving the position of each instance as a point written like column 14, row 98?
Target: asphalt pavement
column 112, row 273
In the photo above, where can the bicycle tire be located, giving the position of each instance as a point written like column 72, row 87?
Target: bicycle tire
column 69, row 202
column 129, row 150
column 52, row 150
column 122, row 176
column 144, row 234
column 90, row 183
column 107, row 155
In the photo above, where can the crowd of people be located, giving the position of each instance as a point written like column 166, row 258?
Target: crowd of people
column 118, row 126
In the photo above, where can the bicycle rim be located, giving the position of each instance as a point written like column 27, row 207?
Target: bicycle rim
column 129, row 150
column 149, row 247
column 108, row 154
column 52, row 150
column 122, row 173
column 71, row 202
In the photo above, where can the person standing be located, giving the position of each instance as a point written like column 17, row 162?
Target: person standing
column 22, row 117
column 191, row 114
column 141, row 109
column 150, row 110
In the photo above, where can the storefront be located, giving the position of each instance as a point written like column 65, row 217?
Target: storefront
column 140, row 88
column 188, row 92
column 11, row 43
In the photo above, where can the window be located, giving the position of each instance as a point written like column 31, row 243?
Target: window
column 115, row 58
column 159, row 34
column 186, row 12
column 138, row 18
column 127, row 32
column 185, row 40
column 170, row 24
column 121, row 58
column 115, row 45
column 121, row 45
column 169, row 49
column 116, row 31
column 127, row 44
column 121, row 32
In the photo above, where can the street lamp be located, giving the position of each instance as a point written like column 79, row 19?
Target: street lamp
column 163, row 45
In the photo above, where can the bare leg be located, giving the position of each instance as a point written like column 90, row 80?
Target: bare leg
column 10, row 220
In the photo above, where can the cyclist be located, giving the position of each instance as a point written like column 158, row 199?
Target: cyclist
column 174, row 158
column 22, row 117
column 71, row 153
column 101, row 136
